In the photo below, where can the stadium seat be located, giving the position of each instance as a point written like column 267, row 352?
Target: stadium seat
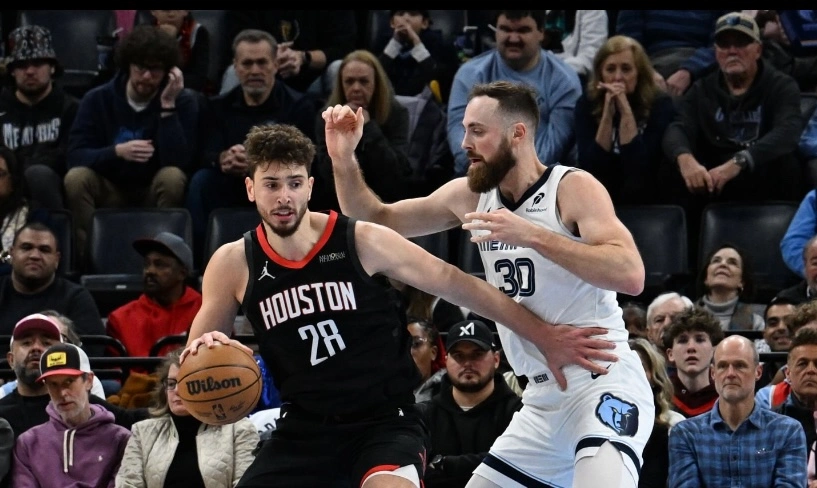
column 756, row 228
column 61, row 222
column 114, row 274
column 226, row 225
column 660, row 233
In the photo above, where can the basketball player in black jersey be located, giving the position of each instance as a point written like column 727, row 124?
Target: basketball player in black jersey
column 314, row 286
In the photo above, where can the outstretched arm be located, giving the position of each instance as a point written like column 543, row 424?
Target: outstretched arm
column 439, row 211
column 607, row 258
column 379, row 248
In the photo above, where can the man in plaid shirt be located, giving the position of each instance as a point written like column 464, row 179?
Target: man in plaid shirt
column 737, row 443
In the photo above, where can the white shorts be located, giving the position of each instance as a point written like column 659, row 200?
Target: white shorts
column 555, row 428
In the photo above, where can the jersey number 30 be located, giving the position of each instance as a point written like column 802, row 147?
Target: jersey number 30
column 518, row 276
column 326, row 332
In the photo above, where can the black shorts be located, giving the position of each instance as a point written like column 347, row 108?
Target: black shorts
column 309, row 451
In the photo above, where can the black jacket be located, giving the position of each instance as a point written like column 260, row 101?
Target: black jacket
column 463, row 438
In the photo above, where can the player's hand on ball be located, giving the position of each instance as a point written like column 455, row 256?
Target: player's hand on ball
column 209, row 339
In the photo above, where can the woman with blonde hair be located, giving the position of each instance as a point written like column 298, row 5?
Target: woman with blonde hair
column 655, row 469
column 620, row 122
column 174, row 449
column 382, row 152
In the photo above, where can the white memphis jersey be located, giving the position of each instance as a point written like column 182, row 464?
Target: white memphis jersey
column 547, row 289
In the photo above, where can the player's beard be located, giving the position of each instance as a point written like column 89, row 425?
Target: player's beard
column 286, row 231
column 487, row 176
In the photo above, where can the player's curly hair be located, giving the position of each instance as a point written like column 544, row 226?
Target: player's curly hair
column 278, row 143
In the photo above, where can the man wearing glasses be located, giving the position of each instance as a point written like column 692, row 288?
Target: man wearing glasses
column 737, row 128
column 134, row 137
column 473, row 407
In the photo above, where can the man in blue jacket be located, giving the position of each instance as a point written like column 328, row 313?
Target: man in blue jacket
column 133, row 138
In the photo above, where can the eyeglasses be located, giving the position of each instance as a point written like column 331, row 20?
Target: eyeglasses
column 417, row 342
column 154, row 71
column 170, row 383
column 461, row 357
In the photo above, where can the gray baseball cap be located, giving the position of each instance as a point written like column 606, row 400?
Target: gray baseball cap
column 166, row 243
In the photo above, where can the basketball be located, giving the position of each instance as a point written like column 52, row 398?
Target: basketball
column 219, row 385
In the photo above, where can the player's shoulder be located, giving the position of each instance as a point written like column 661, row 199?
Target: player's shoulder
column 229, row 254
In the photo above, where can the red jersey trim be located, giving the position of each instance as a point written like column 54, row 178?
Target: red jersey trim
column 276, row 258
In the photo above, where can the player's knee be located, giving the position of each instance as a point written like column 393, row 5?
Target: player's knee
column 402, row 477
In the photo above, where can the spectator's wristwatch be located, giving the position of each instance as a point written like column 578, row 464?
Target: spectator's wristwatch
column 741, row 160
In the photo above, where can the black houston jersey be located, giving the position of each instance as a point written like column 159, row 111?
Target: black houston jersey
column 330, row 334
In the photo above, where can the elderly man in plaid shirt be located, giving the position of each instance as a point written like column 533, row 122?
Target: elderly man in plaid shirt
column 737, row 443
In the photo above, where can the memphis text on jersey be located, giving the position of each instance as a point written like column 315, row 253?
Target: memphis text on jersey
column 300, row 300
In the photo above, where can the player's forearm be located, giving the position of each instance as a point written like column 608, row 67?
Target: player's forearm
column 354, row 195
column 482, row 298
column 610, row 266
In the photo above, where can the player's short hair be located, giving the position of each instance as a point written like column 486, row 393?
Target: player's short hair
column 278, row 143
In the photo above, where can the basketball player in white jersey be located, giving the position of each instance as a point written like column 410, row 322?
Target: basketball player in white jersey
column 549, row 238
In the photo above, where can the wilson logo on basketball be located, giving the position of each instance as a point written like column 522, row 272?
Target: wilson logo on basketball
column 209, row 384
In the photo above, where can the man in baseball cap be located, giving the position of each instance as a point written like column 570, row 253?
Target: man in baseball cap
column 37, row 323
column 473, row 407
column 45, row 455
column 168, row 304
column 473, row 331
column 64, row 359
column 737, row 22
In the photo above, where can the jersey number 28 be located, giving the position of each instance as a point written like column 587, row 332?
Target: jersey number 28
column 327, row 332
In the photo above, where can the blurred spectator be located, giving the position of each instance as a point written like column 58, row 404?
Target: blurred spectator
column 473, row 407
column 36, row 114
column 15, row 208
column 802, row 399
column 173, row 448
column 678, row 42
column 194, row 45
column 655, row 468
column 414, row 54
column 382, row 152
column 6, row 448
column 802, row 228
column 575, row 36
column 134, row 137
column 698, row 456
column 520, row 58
column 80, row 445
column 33, row 286
column 25, row 406
column 428, row 353
column 795, row 60
column 806, row 290
column 737, row 128
column 726, row 288
column 690, row 341
column 620, row 123
column 167, row 306
column 311, row 44
column 259, row 99
column 660, row 313
column 635, row 319
column 776, row 337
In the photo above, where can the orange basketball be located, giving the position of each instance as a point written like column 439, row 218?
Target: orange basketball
column 220, row 385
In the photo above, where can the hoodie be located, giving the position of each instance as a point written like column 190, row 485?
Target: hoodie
column 464, row 437
column 56, row 454
column 105, row 119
